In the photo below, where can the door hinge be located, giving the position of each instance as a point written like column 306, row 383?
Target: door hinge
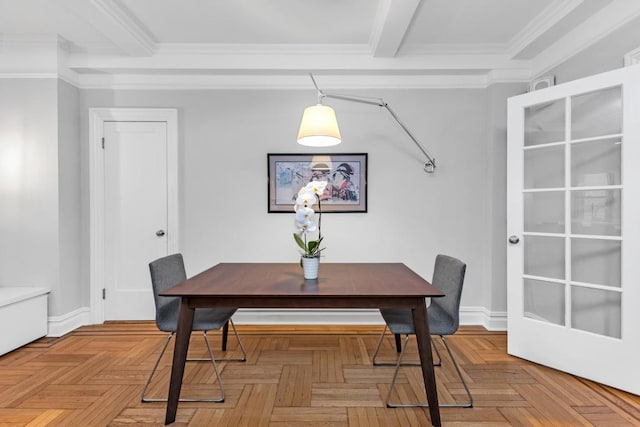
column 103, row 142
column 104, row 293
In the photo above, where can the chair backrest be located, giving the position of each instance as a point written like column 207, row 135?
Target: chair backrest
column 448, row 276
column 166, row 272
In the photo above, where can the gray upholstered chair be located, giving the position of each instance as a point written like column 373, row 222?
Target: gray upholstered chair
column 443, row 316
column 165, row 273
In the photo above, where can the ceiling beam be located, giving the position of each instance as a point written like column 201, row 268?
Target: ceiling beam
column 115, row 23
column 586, row 34
column 390, row 26
column 541, row 24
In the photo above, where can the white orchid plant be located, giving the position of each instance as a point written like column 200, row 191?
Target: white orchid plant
column 305, row 218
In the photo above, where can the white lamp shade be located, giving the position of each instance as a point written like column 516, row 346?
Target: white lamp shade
column 319, row 127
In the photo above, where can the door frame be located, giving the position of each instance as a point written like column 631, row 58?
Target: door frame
column 97, row 118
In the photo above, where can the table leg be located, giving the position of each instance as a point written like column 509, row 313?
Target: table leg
column 423, row 337
column 183, row 334
column 398, row 343
column 225, row 335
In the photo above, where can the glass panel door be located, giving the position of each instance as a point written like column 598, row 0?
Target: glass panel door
column 572, row 200
column 569, row 193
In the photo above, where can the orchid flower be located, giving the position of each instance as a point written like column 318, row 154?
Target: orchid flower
column 305, row 199
column 316, row 187
column 305, row 218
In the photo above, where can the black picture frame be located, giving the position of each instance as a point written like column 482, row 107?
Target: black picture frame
column 346, row 174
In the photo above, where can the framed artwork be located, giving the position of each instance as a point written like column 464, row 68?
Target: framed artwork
column 346, row 175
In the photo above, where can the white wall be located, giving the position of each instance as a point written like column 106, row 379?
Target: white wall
column 40, row 215
column 224, row 140
column 28, row 183
column 73, row 292
column 497, row 233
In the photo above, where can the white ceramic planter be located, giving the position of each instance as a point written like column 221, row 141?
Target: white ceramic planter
column 310, row 267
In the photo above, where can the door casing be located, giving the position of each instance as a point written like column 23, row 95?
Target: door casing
column 97, row 118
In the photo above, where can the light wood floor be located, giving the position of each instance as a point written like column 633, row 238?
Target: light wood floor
column 294, row 376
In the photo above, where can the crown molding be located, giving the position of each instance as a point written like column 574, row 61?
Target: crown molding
column 135, row 61
column 241, row 49
column 610, row 18
column 208, row 59
column 301, row 81
column 29, row 55
column 115, row 23
column 509, row 75
column 11, row 42
column 475, row 49
column 258, row 66
column 195, row 67
column 549, row 17
column 9, row 75
column 275, row 82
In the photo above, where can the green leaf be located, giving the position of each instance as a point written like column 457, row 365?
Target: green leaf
column 299, row 241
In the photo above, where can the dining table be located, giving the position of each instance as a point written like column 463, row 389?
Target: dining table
column 282, row 286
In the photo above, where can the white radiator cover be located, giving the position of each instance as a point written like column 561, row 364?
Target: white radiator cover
column 23, row 316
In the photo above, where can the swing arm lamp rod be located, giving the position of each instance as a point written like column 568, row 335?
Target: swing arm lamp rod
column 430, row 164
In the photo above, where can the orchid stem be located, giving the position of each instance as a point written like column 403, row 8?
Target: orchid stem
column 319, row 218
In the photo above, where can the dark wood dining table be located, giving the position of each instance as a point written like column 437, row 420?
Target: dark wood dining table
column 272, row 285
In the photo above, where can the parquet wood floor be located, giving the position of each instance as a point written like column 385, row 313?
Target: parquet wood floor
column 295, row 376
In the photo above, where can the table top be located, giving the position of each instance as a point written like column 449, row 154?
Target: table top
column 339, row 280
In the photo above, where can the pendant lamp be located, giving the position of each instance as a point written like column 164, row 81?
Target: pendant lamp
column 319, row 127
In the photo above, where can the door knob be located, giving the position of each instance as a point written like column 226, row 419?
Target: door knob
column 160, row 233
column 513, row 239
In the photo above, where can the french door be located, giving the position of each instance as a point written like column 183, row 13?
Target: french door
column 574, row 227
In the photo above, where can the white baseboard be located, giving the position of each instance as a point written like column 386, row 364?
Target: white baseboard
column 260, row 316
column 496, row 321
column 61, row 325
column 492, row 321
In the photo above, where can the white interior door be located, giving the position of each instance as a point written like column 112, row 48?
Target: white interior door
column 135, row 215
column 573, row 220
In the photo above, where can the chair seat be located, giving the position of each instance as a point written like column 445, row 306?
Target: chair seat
column 204, row 319
column 400, row 321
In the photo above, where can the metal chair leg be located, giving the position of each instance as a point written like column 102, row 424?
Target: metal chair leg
column 215, row 368
column 455, row 364
column 153, row 371
column 439, row 362
column 398, row 346
column 228, row 359
column 244, row 352
column 155, row 367
column 468, row 404
column 375, row 354
column 395, row 375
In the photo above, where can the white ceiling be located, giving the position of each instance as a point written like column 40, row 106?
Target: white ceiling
column 131, row 43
